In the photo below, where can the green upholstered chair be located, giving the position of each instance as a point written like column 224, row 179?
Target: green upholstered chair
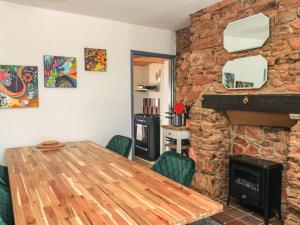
column 4, row 181
column 6, row 211
column 2, row 222
column 176, row 167
column 120, row 145
column 4, row 186
column 4, row 174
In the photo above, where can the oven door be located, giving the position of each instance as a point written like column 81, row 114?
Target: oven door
column 141, row 136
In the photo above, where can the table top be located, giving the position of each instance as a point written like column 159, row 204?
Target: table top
column 86, row 184
column 171, row 127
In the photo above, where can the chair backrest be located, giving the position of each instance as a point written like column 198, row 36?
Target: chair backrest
column 120, row 144
column 6, row 211
column 4, row 180
column 2, row 222
column 176, row 167
column 4, row 174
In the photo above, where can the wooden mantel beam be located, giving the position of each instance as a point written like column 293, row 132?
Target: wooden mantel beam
column 275, row 103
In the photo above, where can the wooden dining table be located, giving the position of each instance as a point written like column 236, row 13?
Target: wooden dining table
column 87, row 184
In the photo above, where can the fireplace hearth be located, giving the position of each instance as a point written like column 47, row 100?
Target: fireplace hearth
column 256, row 182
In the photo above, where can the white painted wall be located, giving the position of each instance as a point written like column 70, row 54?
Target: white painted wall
column 100, row 106
column 140, row 74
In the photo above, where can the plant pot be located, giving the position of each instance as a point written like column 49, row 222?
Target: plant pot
column 177, row 120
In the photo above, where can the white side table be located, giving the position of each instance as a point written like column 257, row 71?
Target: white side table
column 178, row 133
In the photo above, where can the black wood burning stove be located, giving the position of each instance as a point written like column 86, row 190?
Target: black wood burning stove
column 256, row 182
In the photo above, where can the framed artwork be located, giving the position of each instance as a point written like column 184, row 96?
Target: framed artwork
column 95, row 59
column 18, row 86
column 228, row 80
column 60, row 72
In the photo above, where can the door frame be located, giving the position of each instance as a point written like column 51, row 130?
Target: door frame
column 172, row 69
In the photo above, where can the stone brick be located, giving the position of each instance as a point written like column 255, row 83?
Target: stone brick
column 267, row 152
column 266, row 6
column 240, row 142
column 288, row 4
column 292, row 219
column 183, row 43
column 254, row 132
column 247, row 3
column 207, row 42
column 277, row 82
column 280, row 30
column 192, row 154
column 201, row 58
column 296, row 23
column 237, row 150
column 224, row 3
column 251, row 150
column 212, row 8
column 282, row 149
column 293, row 197
column 295, row 43
column 294, row 88
column 286, row 16
column 294, row 68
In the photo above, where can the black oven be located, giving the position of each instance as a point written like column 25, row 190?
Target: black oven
column 147, row 136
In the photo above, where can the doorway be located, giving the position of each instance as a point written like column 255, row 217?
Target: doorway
column 152, row 95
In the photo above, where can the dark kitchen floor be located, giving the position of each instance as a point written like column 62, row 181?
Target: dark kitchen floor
column 234, row 214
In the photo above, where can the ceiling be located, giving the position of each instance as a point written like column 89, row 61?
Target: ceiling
column 145, row 61
column 165, row 14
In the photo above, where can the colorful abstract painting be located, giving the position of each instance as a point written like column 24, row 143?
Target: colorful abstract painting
column 95, row 59
column 229, row 80
column 242, row 84
column 18, row 86
column 60, row 72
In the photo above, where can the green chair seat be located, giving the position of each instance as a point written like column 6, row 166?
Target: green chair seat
column 176, row 167
column 120, row 145
column 6, row 212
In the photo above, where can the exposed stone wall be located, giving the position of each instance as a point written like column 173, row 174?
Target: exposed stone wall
column 199, row 72
column 210, row 138
column 293, row 177
column 183, row 46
